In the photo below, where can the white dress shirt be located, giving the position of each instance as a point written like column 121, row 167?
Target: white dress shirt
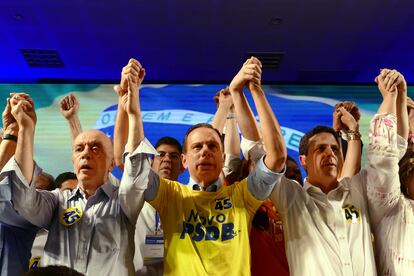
column 392, row 213
column 102, row 241
column 329, row 234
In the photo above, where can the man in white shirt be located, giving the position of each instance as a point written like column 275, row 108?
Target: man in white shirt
column 90, row 228
column 326, row 222
column 148, row 259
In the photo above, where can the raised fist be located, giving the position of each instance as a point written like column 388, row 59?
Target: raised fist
column 69, row 106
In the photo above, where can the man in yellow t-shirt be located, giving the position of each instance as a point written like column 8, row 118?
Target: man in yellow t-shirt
column 206, row 224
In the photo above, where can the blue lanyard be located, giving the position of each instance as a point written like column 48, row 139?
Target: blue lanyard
column 157, row 221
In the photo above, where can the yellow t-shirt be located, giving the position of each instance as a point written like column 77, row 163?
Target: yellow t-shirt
column 206, row 233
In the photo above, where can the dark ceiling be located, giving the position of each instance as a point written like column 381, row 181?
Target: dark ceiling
column 345, row 41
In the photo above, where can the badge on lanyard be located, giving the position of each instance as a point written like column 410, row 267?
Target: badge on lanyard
column 34, row 262
column 154, row 242
column 70, row 216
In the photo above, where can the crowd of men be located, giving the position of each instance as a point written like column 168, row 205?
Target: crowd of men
column 253, row 215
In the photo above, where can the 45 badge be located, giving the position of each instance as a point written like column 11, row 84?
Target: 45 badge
column 70, row 216
column 34, row 262
column 351, row 213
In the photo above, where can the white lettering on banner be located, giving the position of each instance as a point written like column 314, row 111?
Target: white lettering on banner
column 292, row 137
column 189, row 117
column 166, row 116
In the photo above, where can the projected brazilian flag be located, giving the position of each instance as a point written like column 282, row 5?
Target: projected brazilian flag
column 171, row 109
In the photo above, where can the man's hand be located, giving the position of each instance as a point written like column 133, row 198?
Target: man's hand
column 255, row 83
column 118, row 90
column 69, row 106
column 401, row 83
column 336, row 120
column 224, row 99
column 7, row 117
column 250, row 72
column 30, row 109
column 23, row 111
column 130, row 99
column 348, row 121
column 338, row 114
column 133, row 68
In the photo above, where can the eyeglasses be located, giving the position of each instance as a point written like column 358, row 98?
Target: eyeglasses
column 172, row 155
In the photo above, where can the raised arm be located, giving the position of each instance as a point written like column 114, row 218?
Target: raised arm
column 224, row 108
column 225, row 117
column 245, row 118
column 231, row 137
column 402, row 114
column 35, row 206
column 383, row 185
column 274, row 143
column 9, row 142
column 137, row 168
column 122, row 121
column 131, row 105
column 348, row 124
column 23, row 112
column 120, row 130
column 387, row 85
column 232, row 162
column 69, row 107
column 265, row 175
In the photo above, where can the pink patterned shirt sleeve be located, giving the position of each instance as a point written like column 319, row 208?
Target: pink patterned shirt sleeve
column 384, row 152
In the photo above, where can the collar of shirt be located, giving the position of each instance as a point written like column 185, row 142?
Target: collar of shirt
column 215, row 186
column 108, row 188
column 308, row 186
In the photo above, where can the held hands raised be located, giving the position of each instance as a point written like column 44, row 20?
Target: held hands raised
column 9, row 123
column 223, row 99
column 391, row 82
column 22, row 109
column 346, row 116
column 130, row 99
column 131, row 79
column 133, row 68
column 250, row 74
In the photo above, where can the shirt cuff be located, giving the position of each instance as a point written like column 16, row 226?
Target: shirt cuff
column 144, row 147
column 232, row 161
column 12, row 166
column 231, row 164
column 262, row 166
column 252, row 149
column 262, row 180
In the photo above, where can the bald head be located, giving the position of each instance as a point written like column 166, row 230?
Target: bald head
column 93, row 157
column 96, row 134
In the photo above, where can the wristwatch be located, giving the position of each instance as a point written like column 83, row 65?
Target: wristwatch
column 349, row 135
column 353, row 135
column 9, row 137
